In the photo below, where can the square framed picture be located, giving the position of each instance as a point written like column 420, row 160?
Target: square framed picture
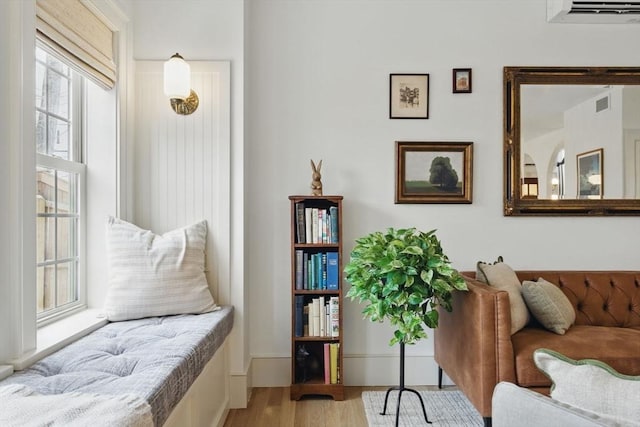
column 590, row 174
column 462, row 80
column 434, row 172
column 409, row 96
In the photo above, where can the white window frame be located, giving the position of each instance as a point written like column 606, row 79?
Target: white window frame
column 75, row 166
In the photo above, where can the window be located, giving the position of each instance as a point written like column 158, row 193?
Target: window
column 60, row 179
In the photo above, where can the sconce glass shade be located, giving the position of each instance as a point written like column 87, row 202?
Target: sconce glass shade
column 177, row 78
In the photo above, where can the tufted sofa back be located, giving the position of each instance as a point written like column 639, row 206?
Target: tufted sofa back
column 601, row 298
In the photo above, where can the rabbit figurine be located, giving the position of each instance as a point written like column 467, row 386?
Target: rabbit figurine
column 316, row 184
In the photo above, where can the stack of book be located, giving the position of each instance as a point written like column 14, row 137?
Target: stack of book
column 316, row 270
column 316, row 225
column 317, row 317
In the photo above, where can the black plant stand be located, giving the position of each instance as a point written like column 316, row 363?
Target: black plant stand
column 401, row 390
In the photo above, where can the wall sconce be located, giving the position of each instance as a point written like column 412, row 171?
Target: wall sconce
column 177, row 86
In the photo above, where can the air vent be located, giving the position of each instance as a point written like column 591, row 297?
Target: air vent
column 602, row 104
column 593, row 12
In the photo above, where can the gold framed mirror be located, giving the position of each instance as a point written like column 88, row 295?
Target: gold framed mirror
column 571, row 141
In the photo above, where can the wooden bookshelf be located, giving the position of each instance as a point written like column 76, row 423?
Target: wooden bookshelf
column 308, row 375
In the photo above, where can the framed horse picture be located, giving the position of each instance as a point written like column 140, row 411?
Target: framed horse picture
column 409, row 96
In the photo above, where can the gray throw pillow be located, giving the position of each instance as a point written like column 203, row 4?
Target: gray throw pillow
column 549, row 305
column 500, row 276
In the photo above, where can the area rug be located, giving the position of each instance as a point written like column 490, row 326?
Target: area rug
column 444, row 409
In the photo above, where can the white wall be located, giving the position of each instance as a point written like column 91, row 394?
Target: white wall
column 318, row 89
column 587, row 130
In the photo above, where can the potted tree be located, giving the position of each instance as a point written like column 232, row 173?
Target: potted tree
column 404, row 276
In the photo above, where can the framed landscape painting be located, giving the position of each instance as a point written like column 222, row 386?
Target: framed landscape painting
column 409, row 96
column 434, row 172
column 590, row 174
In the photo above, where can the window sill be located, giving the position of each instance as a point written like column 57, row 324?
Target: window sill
column 5, row 371
column 54, row 336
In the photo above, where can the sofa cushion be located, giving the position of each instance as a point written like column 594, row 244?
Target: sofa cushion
column 500, row 276
column 548, row 305
column 591, row 385
column 618, row 347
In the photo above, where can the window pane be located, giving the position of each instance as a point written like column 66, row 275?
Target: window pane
column 45, row 180
column 66, row 238
column 58, row 138
column 46, row 288
column 65, row 289
column 67, row 193
column 41, row 132
column 41, row 90
column 46, row 239
column 54, row 63
column 41, row 55
column 58, row 91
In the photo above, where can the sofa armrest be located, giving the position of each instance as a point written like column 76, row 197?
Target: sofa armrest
column 518, row 406
column 473, row 342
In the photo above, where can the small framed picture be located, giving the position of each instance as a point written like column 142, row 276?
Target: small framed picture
column 590, row 174
column 462, row 80
column 409, row 96
column 434, row 172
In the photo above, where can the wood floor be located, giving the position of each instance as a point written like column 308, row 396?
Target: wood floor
column 271, row 407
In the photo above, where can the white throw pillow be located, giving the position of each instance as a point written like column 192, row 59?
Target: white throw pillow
column 500, row 276
column 156, row 275
column 592, row 386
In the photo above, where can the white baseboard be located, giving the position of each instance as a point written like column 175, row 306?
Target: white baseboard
column 271, row 371
column 359, row 370
column 240, row 385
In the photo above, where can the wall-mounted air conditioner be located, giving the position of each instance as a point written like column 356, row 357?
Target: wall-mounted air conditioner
column 593, row 12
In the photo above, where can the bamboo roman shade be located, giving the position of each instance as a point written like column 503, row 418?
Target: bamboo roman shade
column 72, row 29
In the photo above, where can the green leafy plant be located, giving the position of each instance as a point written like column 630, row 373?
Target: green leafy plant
column 404, row 276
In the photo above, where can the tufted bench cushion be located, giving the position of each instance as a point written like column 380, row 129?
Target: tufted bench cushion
column 155, row 358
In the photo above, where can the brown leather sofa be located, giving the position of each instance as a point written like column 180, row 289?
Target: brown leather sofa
column 474, row 346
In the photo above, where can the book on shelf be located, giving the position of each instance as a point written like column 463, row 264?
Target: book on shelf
column 308, row 213
column 299, row 321
column 300, row 226
column 305, row 319
column 333, row 215
column 323, row 318
column 327, row 363
column 305, row 270
column 315, row 317
column 334, row 316
column 334, row 348
column 314, row 225
column 299, row 269
column 332, row 271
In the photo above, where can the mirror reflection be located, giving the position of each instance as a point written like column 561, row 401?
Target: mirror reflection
column 571, row 141
column 580, row 141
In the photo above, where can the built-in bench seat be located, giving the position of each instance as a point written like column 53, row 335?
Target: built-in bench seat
column 157, row 359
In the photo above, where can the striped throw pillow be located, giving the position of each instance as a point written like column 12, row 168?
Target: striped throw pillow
column 156, row 275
